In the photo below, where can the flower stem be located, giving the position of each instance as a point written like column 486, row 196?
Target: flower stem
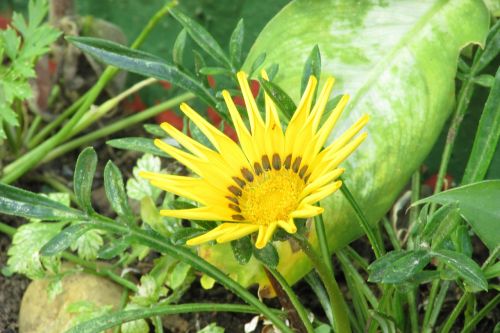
column 115, row 127
column 340, row 311
column 376, row 246
column 483, row 312
column 31, row 159
column 289, row 301
column 164, row 245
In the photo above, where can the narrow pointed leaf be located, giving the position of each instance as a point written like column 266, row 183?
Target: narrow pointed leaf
column 242, row 249
column 236, row 44
column 65, row 238
column 83, row 178
column 141, row 63
column 487, row 136
column 280, row 98
column 178, row 50
column 115, row 191
column 202, row 37
column 398, row 266
column 311, row 67
column 464, row 266
column 143, row 145
column 19, row 202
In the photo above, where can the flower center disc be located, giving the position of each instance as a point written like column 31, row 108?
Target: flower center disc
column 271, row 197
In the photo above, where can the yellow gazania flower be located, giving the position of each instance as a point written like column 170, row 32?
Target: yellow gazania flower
column 267, row 180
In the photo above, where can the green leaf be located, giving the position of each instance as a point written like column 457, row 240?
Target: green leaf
column 182, row 235
column 492, row 271
column 311, row 67
column 212, row 328
column 491, row 50
column 18, row 202
column 148, row 292
column 138, row 188
column 478, row 205
column 88, row 245
column 465, row 267
column 257, row 64
column 24, row 253
column 215, row 71
column 440, row 225
column 141, row 63
column 143, row 145
column 236, row 44
column 114, row 248
column 178, row 275
column 178, row 49
column 462, row 240
column 280, row 98
column 268, row 255
column 398, row 266
column 242, row 249
column 115, row 191
column 155, row 130
column 202, row 37
column 487, row 136
column 83, row 178
column 65, row 238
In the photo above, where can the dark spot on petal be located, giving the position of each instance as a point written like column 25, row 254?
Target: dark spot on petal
column 236, row 191
column 276, row 162
column 247, row 174
column 266, row 164
column 288, row 162
column 303, row 171
column 241, row 183
column 257, row 168
column 307, row 178
column 232, row 199
column 235, row 208
column 296, row 164
column 238, row 217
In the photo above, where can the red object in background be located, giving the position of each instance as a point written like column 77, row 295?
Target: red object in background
column 432, row 182
column 135, row 104
column 170, row 117
column 165, row 84
column 4, row 22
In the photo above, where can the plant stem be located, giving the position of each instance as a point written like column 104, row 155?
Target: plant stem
column 33, row 128
column 464, row 97
column 123, row 303
column 7, row 229
column 319, row 290
column 28, row 161
column 101, row 271
column 483, row 312
column 110, row 320
column 115, row 127
column 340, row 311
column 297, row 314
column 436, row 306
column 164, row 245
column 377, row 248
column 454, row 314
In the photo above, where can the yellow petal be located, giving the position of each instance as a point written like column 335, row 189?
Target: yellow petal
column 322, row 180
column 201, row 213
column 212, row 234
column 306, row 210
column 262, row 241
column 288, row 226
column 322, row 193
column 320, row 105
column 241, row 231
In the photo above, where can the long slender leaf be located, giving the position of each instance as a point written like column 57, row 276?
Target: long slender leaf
column 65, row 238
column 479, row 205
column 280, row 98
column 115, row 191
column 311, row 67
column 487, row 136
column 464, row 266
column 143, row 145
column 491, row 50
column 84, row 177
column 141, row 63
column 179, row 45
column 236, row 43
column 19, row 202
column 202, row 37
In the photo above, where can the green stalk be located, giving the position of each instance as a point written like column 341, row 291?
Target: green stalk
column 33, row 128
column 99, row 270
column 438, row 303
column 97, row 113
column 299, row 307
column 7, row 229
column 116, row 126
column 454, row 314
column 35, row 141
column 480, row 315
column 163, row 245
column 340, row 310
column 376, row 246
column 16, row 169
column 123, row 303
column 110, row 320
